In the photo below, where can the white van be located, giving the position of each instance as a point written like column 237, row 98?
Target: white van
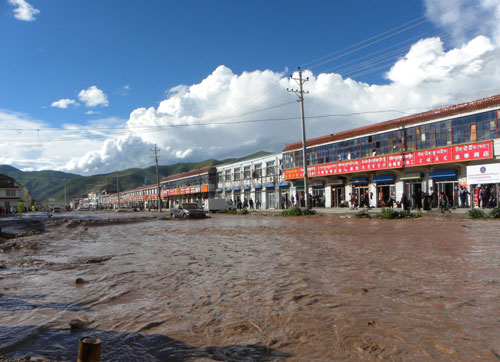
column 218, row 204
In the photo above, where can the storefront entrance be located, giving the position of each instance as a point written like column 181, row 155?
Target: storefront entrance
column 284, row 197
column 258, row 199
column 318, row 196
column 338, row 197
column 361, row 196
column 413, row 190
column 386, row 195
column 270, row 199
column 450, row 189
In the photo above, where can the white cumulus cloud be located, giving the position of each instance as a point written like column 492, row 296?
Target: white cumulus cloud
column 465, row 19
column 63, row 103
column 93, row 96
column 229, row 115
column 24, row 10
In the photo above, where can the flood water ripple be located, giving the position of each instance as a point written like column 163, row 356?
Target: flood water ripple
column 257, row 288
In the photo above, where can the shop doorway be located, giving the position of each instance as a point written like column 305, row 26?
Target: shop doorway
column 338, row 197
column 413, row 190
column 270, row 199
column 258, row 199
column 318, row 197
column 386, row 195
column 284, row 198
column 450, row 189
column 361, row 196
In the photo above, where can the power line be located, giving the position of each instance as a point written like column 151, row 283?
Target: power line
column 160, row 127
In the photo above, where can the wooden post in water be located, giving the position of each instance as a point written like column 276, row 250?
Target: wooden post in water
column 89, row 349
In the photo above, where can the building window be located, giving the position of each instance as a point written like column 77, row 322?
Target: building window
column 237, row 174
column 246, row 172
column 270, row 168
column 257, row 173
column 11, row 192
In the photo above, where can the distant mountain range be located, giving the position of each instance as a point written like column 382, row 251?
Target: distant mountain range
column 50, row 184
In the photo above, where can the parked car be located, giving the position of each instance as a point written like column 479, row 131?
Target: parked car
column 187, row 210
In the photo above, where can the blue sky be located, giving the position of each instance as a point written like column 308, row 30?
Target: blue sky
column 115, row 64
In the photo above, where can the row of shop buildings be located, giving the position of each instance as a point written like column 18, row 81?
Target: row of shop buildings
column 14, row 197
column 453, row 150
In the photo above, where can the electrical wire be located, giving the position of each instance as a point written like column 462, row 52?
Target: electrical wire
column 204, row 124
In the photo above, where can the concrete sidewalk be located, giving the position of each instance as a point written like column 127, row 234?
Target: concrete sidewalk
column 373, row 211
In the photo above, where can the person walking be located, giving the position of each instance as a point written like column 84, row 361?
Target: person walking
column 463, row 196
column 250, row 202
column 443, row 203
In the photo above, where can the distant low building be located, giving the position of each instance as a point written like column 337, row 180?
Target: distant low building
column 13, row 194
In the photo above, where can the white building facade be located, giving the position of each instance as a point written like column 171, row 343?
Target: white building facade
column 257, row 182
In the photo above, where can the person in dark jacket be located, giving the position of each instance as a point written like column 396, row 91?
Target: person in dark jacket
column 404, row 202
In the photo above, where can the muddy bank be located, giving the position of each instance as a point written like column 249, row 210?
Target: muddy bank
column 259, row 288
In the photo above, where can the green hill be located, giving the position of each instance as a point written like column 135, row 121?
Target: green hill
column 50, row 184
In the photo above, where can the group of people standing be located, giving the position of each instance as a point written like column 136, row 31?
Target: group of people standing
column 486, row 196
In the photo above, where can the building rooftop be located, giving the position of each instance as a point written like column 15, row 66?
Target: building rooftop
column 448, row 111
column 194, row 172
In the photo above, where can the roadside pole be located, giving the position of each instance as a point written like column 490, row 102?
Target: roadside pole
column 300, row 94
column 157, row 178
column 117, row 189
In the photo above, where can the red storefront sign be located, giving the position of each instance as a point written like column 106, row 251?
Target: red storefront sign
column 476, row 151
column 185, row 190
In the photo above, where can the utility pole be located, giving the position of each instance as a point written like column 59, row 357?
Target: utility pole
column 157, row 177
column 300, row 94
column 117, row 189
column 65, row 195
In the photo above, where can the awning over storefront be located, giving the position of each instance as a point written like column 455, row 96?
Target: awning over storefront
column 358, row 180
column 411, row 176
column 228, row 190
column 318, row 187
column 269, row 186
column 284, row 184
column 219, row 190
column 246, row 188
column 236, row 189
column 257, row 187
column 440, row 175
column 387, row 179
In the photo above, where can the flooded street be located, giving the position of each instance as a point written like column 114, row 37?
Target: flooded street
column 255, row 288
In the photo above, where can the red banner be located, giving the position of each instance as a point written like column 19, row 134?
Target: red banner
column 476, row 151
column 185, row 190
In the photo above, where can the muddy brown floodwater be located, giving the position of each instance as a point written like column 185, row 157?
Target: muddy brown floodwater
column 256, row 288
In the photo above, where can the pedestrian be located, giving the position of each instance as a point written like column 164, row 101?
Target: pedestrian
column 250, row 202
column 463, row 196
column 257, row 204
column 404, row 202
column 443, row 202
column 293, row 201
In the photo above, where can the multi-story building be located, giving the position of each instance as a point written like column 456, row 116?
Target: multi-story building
column 143, row 197
column 13, row 194
column 443, row 150
column 190, row 186
column 259, row 179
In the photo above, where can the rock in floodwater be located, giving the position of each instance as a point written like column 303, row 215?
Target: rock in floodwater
column 364, row 291
column 77, row 324
column 79, row 281
column 97, row 260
